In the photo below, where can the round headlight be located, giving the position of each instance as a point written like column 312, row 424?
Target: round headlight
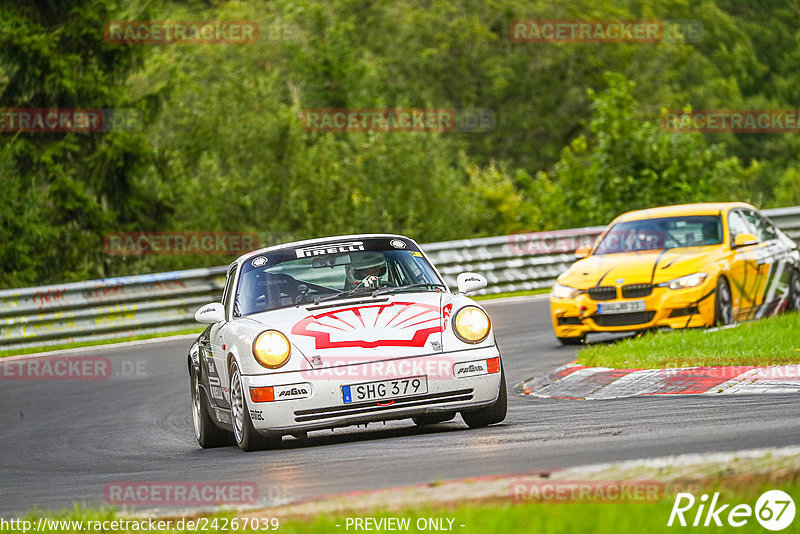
column 471, row 324
column 271, row 349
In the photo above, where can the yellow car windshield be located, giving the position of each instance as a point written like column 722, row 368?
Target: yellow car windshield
column 662, row 233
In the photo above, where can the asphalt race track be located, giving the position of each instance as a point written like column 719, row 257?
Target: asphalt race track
column 62, row 441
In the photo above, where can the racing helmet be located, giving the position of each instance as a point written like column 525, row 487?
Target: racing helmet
column 364, row 264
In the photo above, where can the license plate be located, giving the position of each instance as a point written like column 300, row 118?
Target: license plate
column 621, row 307
column 385, row 389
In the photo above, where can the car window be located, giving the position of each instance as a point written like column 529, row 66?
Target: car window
column 737, row 224
column 662, row 233
column 226, row 294
column 764, row 230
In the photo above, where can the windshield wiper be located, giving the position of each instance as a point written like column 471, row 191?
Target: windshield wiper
column 381, row 291
column 388, row 290
column 340, row 294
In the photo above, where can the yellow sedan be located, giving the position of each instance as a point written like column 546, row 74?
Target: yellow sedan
column 692, row 265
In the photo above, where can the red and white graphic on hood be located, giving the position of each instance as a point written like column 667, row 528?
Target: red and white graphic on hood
column 400, row 324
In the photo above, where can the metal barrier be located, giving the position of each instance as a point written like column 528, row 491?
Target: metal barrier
column 163, row 302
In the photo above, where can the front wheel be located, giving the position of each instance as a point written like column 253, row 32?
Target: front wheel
column 432, row 419
column 491, row 414
column 723, row 303
column 579, row 340
column 243, row 430
column 794, row 290
column 207, row 433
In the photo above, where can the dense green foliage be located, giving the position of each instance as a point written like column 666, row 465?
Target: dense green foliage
column 577, row 138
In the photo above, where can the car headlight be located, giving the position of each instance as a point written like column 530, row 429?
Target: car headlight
column 471, row 324
column 692, row 280
column 565, row 292
column 271, row 349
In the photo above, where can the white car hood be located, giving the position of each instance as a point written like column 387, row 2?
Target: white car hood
column 362, row 330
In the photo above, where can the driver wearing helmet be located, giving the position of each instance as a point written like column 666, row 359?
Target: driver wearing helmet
column 366, row 269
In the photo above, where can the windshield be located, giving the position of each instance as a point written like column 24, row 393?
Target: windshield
column 660, row 234
column 299, row 276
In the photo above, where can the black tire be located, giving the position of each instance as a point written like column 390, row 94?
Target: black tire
column 794, row 290
column 432, row 419
column 723, row 303
column 492, row 414
column 244, row 433
column 579, row 340
column 207, row 433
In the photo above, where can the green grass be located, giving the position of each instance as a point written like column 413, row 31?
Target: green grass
column 771, row 341
column 507, row 517
column 513, row 294
column 75, row 345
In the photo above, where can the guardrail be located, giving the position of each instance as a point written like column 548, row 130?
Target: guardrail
column 147, row 304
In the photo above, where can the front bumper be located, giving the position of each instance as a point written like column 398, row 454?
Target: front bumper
column 664, row 307
column 324, row 406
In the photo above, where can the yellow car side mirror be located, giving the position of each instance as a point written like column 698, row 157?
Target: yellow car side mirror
column 742, row 240
column 583, row 251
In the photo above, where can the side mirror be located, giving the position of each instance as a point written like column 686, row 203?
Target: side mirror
column 470, row 282
column 583, row 251
column 742, row 240
column 210, row 313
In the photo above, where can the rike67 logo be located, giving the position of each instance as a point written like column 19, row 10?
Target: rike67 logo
column 774, row 510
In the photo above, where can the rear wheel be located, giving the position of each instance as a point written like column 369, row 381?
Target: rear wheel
column 243, row 430
column 723, row 310
column 491, row 414
column 579, row 340
column 794, row 290
column 432, row 419
column 207, row 433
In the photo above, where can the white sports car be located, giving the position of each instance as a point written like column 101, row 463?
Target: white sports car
column 340, row 331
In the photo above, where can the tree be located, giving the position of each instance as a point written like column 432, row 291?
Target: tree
column 63, row 191
column 628, row 162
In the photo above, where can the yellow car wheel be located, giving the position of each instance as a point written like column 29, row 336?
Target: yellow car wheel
column 723, row 303
column 794, row 290
column 578, row 340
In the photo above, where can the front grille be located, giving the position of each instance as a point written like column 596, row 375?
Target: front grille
column 569, row 320
column 602, row 293
column 635, row 291
column 363, row 408
column 623, row 319
column 679, row 312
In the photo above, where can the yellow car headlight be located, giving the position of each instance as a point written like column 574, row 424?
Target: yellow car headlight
column 471, row 324
column 271, row 349
column 564, row 292
column 692, row 280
